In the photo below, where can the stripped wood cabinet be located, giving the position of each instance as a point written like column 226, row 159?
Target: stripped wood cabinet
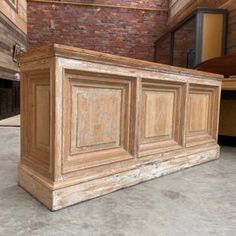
column 93, row 123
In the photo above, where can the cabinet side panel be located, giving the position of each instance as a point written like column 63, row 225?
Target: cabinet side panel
column 36, row 123
column 42, row 109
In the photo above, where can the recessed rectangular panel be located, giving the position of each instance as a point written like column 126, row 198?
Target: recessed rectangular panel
column 42, row 115
column 198, row 112
column 161, row 116
column 96, row 114
column 37, row 121
column 159, row 113
column 202, row 112
column 97, row 120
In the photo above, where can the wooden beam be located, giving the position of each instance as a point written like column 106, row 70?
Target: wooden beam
column 101, row 5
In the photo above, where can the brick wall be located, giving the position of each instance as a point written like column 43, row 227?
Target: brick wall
column 162, row 50
column 126, row 32
column 185, row 39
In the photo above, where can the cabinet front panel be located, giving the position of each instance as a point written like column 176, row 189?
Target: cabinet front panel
column 199, row 109
column 201, row 113
column 162, row 109
column 97, row 120
column 159, row 114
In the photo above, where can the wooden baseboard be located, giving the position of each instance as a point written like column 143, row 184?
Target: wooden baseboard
column 40, row 191
column 56, row 199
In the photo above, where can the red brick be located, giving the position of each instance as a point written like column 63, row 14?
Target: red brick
column 123, row 32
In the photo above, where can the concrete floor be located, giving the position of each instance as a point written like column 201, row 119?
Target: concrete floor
column 198, row 201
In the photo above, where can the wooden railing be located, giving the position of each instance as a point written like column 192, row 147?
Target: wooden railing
column 93, row 123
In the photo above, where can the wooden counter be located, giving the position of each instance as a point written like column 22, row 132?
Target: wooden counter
column 227, row 126
column 229, row 84
column 93, row 123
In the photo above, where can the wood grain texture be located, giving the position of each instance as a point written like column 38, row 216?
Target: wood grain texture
column 227, row 123
column 97, row 120
column 228, row 118
column 67, row 196
column 229, row 84
column 225, row 65
column 94, row 123
column 10, row 34
column 18, row 15
column 161, row 116
column 202, row 111
column 212, row 36
column 36, row 121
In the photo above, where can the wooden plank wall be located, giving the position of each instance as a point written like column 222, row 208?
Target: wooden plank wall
column 231, row 46
column 13, row 29
column 179, row 9
column 17, row 16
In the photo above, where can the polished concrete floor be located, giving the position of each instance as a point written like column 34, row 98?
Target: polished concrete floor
column 198, row 201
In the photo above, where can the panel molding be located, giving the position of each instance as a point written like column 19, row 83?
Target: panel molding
column 108, row 146
column 84, row 95
column 167, row 94
column 200, row 129
column 37, row 122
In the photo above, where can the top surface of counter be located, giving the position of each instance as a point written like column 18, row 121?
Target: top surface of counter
column 108, row 59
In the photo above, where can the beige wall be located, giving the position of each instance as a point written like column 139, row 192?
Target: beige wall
column 231, row 44
column 19, row 16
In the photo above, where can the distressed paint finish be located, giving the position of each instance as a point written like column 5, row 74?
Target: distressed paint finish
column 108, row 122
